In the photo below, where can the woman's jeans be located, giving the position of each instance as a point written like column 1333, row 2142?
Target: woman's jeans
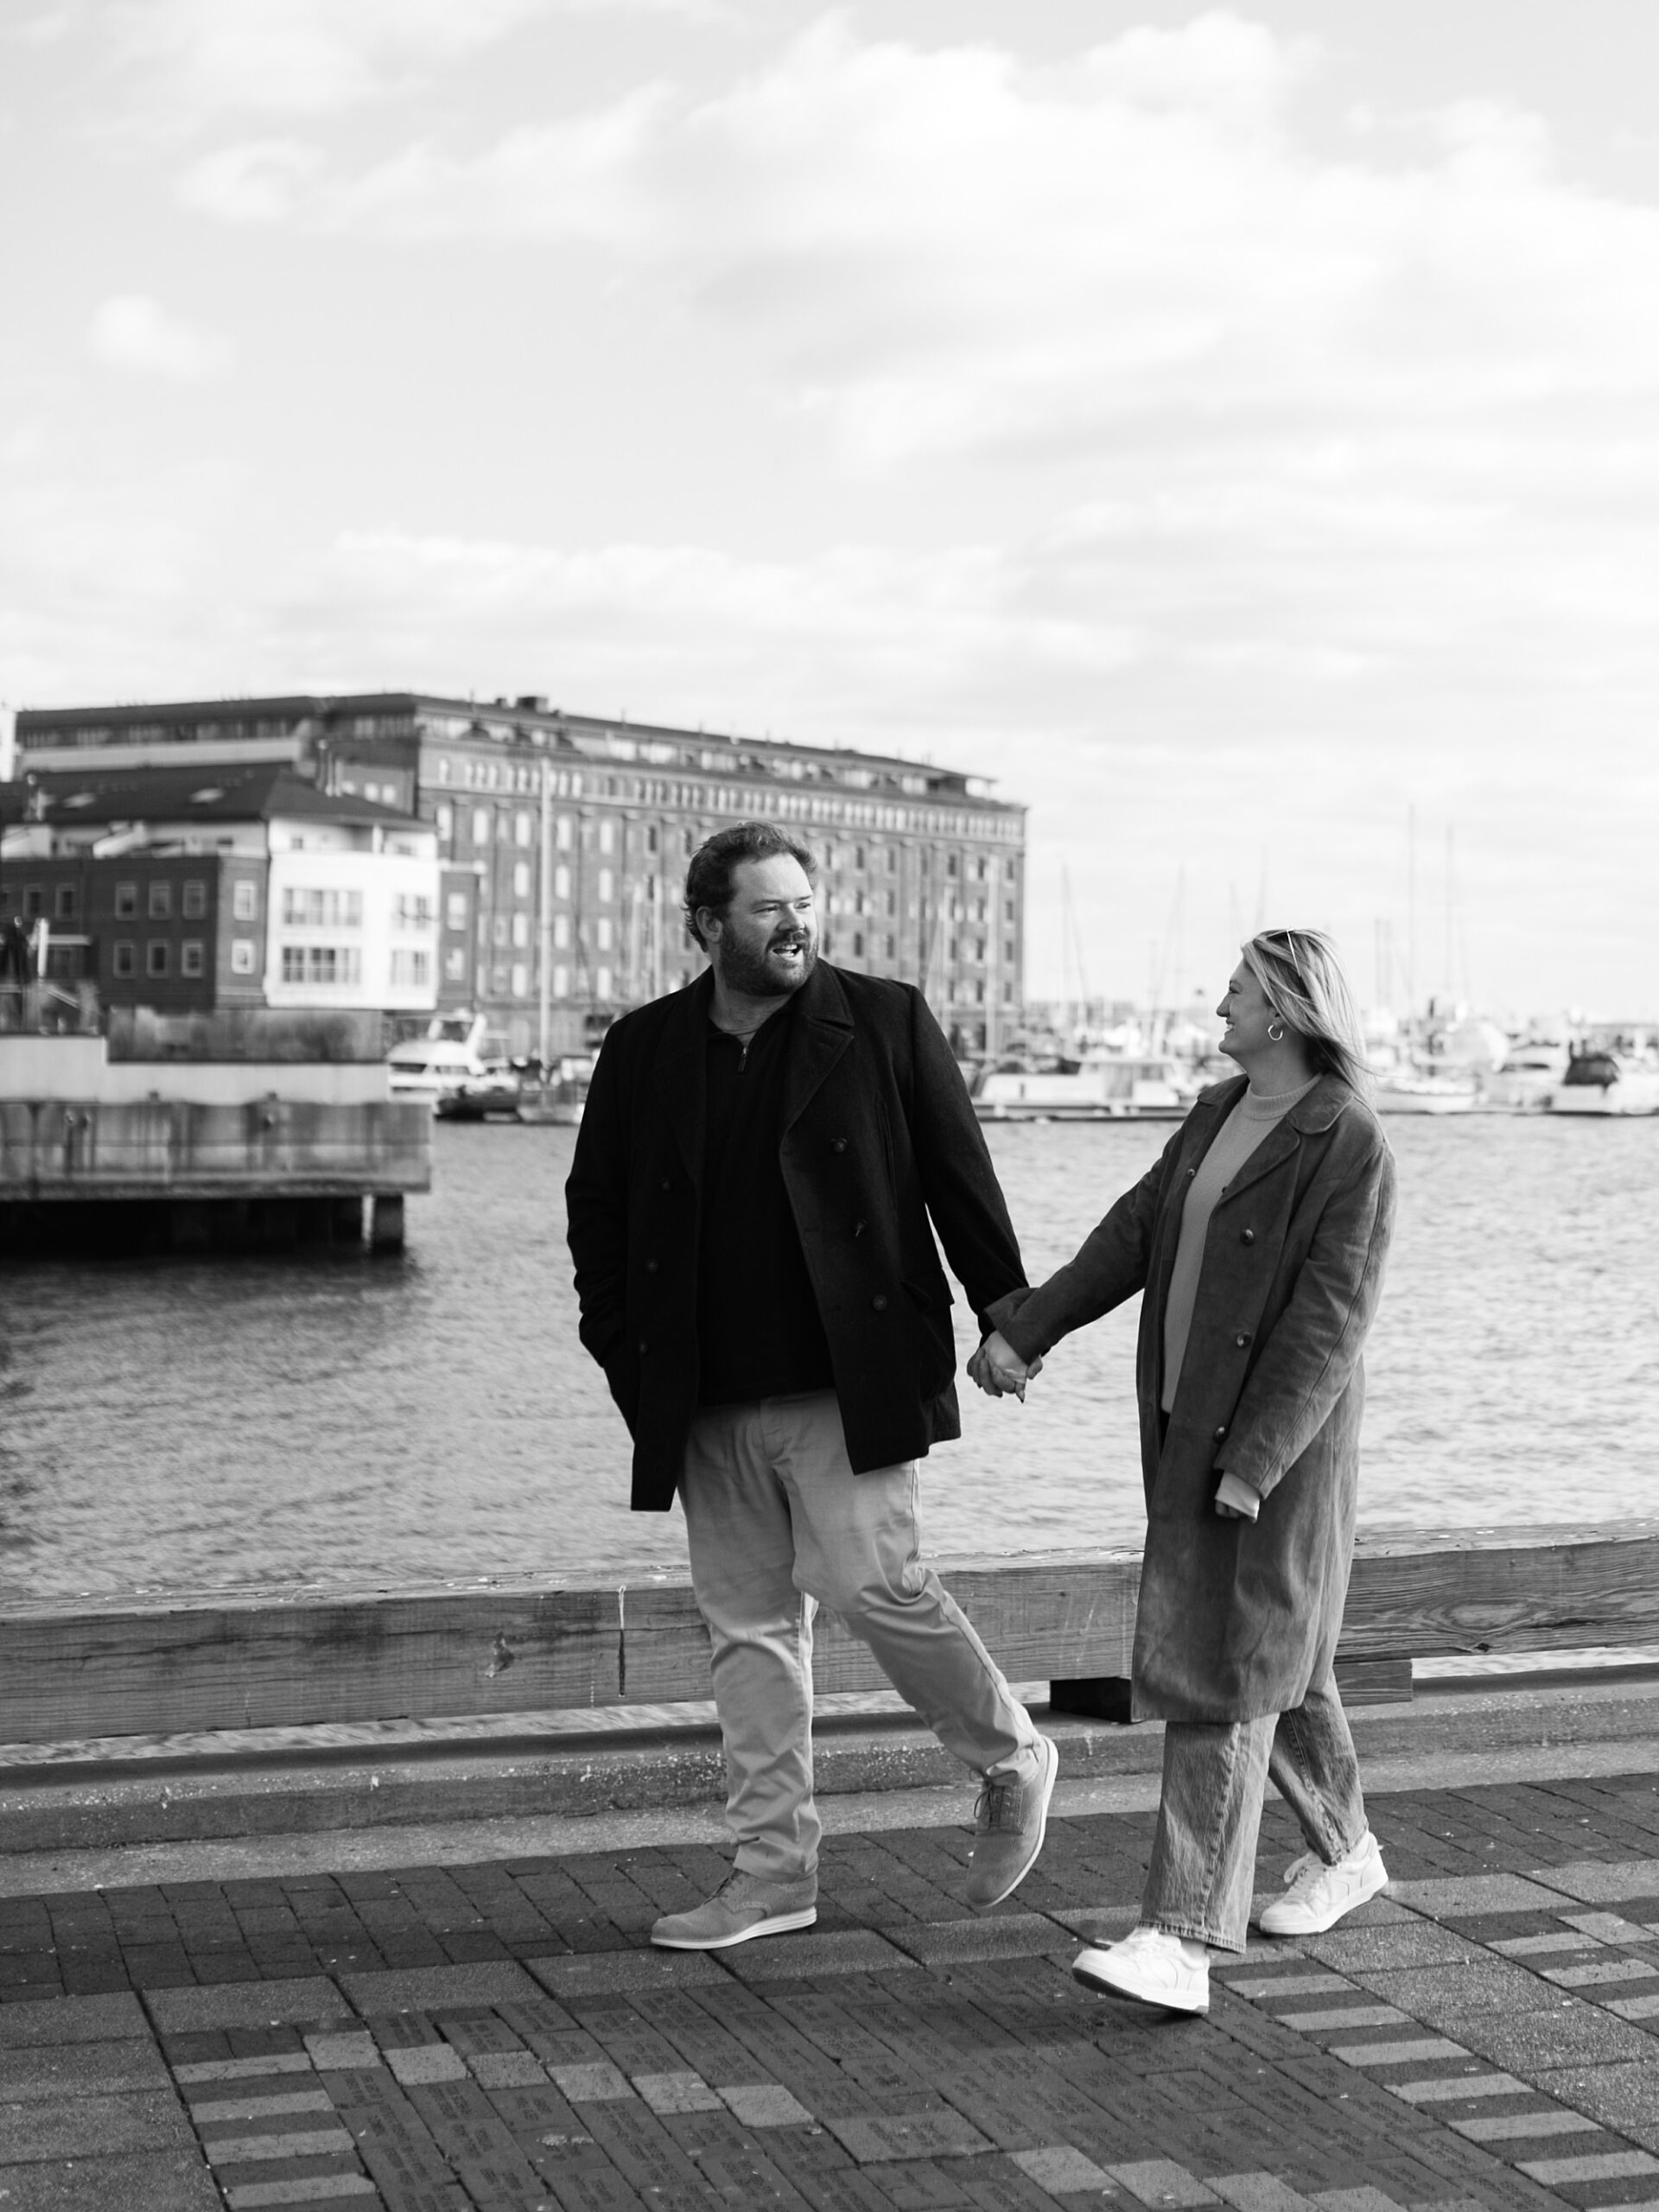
column 1215, row 1778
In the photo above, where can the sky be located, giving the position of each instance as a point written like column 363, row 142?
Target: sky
column 1235, row 431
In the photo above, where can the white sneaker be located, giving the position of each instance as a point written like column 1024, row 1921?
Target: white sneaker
column 1317, row 1895
column 1151, row 1966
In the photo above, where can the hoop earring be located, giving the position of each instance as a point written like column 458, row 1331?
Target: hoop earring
column 1276, row 1032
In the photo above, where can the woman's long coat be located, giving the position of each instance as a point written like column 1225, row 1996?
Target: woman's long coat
column 1238, row 1618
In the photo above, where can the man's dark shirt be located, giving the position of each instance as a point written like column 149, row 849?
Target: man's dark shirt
column 759, row 1331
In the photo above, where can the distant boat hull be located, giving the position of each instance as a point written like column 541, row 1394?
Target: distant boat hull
column 1099, row 1090
column 1423, row 1095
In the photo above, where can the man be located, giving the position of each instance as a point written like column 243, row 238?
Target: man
column 749, row 1206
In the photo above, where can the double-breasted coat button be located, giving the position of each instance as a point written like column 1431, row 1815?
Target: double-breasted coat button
column 1242, row 1338
column 837, row 1144
column 667, row 1186
column 651, row 1266
column 1221, row 1432
column 642, row 1343
column 880, row 1301
column 1247, row 1237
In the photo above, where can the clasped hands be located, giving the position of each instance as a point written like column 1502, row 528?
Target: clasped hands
column 998, row 1370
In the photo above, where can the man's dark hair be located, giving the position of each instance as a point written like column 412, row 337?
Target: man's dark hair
column 708, row 879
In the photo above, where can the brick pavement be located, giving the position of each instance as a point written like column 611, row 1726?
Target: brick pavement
column 499, row 2036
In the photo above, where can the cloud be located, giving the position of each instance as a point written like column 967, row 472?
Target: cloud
column 132, row 332
column 258, row 182
column 951, row 251
column 199, row 58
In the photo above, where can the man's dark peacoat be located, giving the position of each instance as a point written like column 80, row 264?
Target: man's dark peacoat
column 1237, row 1618
column 878, row 1134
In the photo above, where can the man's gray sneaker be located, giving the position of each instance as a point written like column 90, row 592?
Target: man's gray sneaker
column 1009, row 1821
column 743, row 1906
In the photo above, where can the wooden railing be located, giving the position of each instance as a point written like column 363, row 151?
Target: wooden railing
column 246, row 1659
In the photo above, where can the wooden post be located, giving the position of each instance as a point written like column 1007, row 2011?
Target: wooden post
column 386, row 1222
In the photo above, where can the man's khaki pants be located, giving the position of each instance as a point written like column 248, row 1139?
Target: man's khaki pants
column 777, row 1523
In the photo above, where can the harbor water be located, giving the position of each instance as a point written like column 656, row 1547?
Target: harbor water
column 335, row 1419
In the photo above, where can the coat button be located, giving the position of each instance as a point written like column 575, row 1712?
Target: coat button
column 1242, row 1338
column 1221, row 1432
column 642, row 1343
column 837, row 1144
column 1191, row 1172
column 1247, row 1237
column 880, row 1301
column 651, row 1266
column 667, row 1186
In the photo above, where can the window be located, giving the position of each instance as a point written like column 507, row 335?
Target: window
column 602, row 983
column 521, row 931
column 602, row 933
column 307, row 907
column 607, row 886
column 953, row 866
column 650, row 838
column 520, row 980
column 858, row 856
column 443, row 778
column 193, row 901
column 33, row 898
column 66, row 902
column 499, row 929
column 446, row 819
column 126, row 957
column 562, row 930
column 858, row 945
column 892, row 947
column 126, row 901
column 161, row 903
column 193, row 959
column 158, row 956
column 322, row 963
column 412, row 968
column 522, row 827
column 241, row 953
column 455, row 965
column 245, row 900
column 504, row 826
column 456, row 908
column 561, row 982
column 521, row 879
column 607, row 844
column 410, row 910
column 561, row 882
column 564, row 833
column 480, row 825
column 892, row 859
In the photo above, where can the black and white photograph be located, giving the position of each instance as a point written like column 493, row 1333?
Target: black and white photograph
column 828, row 1081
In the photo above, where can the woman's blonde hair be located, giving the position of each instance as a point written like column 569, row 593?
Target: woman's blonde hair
column 1302, row 979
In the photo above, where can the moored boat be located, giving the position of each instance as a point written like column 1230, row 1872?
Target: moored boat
column 1109, row 1088
column 1602, row 1082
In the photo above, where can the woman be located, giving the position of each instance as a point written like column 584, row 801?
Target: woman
column 1259, row 1239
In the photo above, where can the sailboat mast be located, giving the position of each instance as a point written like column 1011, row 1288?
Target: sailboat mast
column 546, row 915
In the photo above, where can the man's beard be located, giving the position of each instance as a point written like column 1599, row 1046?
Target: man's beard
column 748, row 972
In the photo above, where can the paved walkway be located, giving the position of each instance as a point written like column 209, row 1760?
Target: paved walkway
column 498, row 2036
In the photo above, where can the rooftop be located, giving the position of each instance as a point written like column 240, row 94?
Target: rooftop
column 255, row 791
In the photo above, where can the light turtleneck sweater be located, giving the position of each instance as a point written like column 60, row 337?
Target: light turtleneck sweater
column 1250, row 1120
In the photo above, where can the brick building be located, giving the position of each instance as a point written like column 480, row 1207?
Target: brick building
column 190, row 888
column 562, row 841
